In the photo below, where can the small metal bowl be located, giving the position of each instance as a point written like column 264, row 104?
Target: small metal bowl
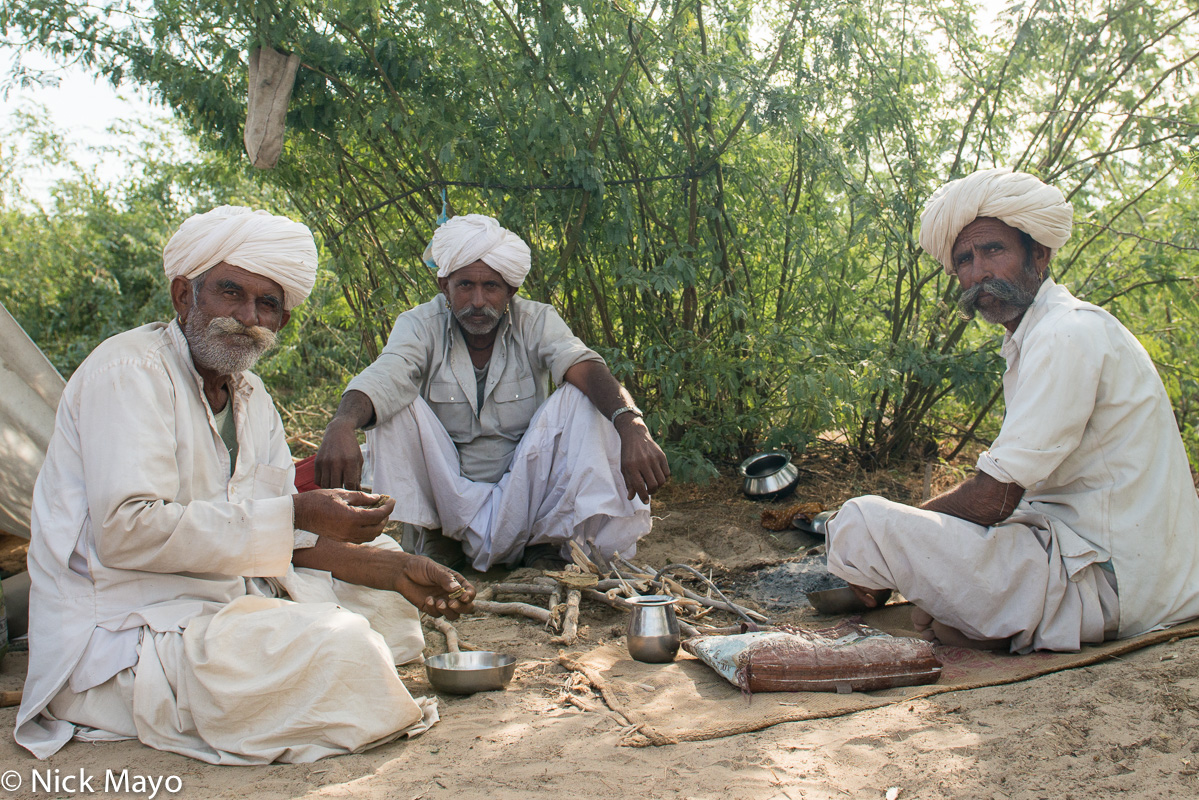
column 470, row 672
column 769, row 476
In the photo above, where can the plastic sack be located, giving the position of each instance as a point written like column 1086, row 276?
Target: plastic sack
column 847, row 657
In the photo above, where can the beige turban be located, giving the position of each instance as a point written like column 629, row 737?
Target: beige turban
column 474, row 237
column 1015, row 198
column 257, row 241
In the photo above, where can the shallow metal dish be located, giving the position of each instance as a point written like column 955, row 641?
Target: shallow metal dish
column 769, row 476
column 841, row 600
column 817, row 525
column 470, row 672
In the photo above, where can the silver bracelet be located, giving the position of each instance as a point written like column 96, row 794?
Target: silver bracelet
column 622, row 410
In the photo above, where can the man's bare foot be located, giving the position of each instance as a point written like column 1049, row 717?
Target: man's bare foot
column 939, row 633
column 922, row 621
column 871, row 598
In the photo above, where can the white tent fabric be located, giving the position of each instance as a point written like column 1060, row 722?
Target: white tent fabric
column 29, row 391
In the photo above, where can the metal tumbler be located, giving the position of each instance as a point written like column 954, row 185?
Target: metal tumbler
column 653, row 634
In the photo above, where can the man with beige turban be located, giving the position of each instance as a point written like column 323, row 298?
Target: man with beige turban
column 1082, row 522
column 463, row 432
column 166, row 535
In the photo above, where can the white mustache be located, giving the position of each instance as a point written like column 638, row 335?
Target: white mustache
column 263, row 338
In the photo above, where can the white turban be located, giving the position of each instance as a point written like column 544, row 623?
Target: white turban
column 463, row 240
column 257, row 241
column 1015, row 198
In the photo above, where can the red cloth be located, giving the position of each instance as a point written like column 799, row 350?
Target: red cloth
column 306, row 474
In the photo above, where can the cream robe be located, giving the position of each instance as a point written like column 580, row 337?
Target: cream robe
column 139, row 530
column 1090, row 434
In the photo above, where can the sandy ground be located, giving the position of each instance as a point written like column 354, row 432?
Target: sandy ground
column 1126, row 727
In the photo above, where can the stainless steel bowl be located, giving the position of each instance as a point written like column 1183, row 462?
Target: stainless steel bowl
column 769, row 476
column 470, row 672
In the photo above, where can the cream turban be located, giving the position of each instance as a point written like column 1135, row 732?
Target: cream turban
column 1015, row 198
column 257, row 241
column 474, row 237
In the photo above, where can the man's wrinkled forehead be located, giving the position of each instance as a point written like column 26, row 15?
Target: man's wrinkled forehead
column 984, row 230
column 228, row 276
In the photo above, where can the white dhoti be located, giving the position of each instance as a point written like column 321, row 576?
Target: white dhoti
column 1027, row 579
column 267, row 679
column 564, row 484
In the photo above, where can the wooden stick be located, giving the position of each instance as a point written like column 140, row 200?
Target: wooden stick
column 720, row 604
column 452, row 645
column 570, row 624
column 580, row 703
column 556, row 608
column 615, row 602
column 8, row 699
column 579, row 557
column 513, row 610
column 728, row 630
column 520, row 588
column 635, row 586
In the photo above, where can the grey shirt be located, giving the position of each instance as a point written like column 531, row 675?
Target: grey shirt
column 426, row 356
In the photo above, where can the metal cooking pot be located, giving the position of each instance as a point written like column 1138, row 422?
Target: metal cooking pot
column 769, row 476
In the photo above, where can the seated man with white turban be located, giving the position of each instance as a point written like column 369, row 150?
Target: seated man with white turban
column 463, row 432
column 1082, row 522
column 166, row 534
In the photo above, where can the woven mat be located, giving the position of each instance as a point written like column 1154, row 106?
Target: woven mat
column 687, row 701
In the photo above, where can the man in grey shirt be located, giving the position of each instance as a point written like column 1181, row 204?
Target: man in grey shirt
column 463, row 430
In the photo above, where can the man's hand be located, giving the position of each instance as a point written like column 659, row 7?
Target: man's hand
column 642, row 462
column 353, row 517
column 435, row 590
column 339, row 459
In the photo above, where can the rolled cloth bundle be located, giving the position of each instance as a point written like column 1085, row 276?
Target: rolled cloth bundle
column 466, row 239
column 1015, row 198
column 257, row 241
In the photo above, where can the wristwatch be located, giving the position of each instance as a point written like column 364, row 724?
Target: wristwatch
column 623, row 410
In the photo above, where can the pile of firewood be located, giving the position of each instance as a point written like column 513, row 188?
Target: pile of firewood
column 564, row 591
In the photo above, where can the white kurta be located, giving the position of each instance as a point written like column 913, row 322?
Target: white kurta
column 564, row 484
column 1090, row 434
column 139, row 530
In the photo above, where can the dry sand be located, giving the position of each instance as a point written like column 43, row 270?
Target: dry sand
column 1126, row 727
